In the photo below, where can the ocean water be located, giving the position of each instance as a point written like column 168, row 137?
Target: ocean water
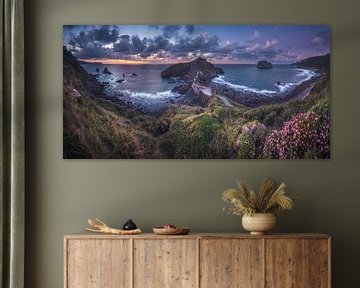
column 270, row 82
column 150, row 88
column 147, row 83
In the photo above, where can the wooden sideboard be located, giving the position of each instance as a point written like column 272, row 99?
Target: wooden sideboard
column 197, row 260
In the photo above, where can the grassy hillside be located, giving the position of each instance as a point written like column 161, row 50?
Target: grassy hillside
column 225, row 132
column 95, row 127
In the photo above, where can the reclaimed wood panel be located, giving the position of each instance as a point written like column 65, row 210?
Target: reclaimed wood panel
column 231, row 263
column 169, row 263
column 98, row 264
column 320, row 263
column 287, row 263
column 197, row 260
column 89, row 235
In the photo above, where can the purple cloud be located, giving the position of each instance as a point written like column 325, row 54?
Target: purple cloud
column 188, row 41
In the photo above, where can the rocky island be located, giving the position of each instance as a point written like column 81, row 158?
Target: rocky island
column 196, row 79
column 199, row 68
column 106, row 71
column 264, row 65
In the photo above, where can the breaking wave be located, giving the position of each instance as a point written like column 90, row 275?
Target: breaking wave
column 221, row 80
column 156, row 95
column 281, row 87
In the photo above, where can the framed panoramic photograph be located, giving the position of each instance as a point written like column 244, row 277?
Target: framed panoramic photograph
column 196, row 92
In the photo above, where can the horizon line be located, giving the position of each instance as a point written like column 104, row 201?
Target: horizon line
column 134, row 63
column 110, row 61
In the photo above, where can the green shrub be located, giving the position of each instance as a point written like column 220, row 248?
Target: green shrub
column 73, row 148
column 202, row 136
column 250, row 141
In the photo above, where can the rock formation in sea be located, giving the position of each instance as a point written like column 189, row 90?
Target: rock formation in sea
column 106, row 71
column 264, row 65
column 199, row 68
column 196, row 77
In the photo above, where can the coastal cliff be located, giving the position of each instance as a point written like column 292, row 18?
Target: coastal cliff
column 95, row 127
column 76, row 80
column 318, row 62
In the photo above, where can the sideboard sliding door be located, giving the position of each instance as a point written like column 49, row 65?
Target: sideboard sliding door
column 165, row 263
column 297, row 263
column 98, row 263
column 231, row 263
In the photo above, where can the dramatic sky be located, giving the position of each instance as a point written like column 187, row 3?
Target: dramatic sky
column 157, row 44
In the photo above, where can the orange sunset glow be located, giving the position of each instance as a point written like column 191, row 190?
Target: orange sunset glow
column 154, row 61
column 108, row 61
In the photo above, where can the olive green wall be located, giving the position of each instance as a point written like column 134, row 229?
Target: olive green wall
column 61, row 194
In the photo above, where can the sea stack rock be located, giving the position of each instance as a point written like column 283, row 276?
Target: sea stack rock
column 195, row 78
column 264, row 65
column 106, row 71
column 199, row 68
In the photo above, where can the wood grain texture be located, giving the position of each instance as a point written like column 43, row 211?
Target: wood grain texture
column 197, row 260
column 165, row 263
column 98, row 264
column 319, row 263
column 88, row 235
column 231, row 263
column 287, row 263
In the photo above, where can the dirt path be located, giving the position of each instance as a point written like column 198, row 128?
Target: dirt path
column 306, row 92
column 208, row 91
column 224, row 100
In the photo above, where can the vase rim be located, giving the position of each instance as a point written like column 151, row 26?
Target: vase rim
column 267, row 213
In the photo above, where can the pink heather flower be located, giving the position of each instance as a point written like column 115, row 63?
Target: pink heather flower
column 306, row 135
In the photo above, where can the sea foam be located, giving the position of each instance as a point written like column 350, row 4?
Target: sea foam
column 221, row 80
column 282, row 87
column 156, row 95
